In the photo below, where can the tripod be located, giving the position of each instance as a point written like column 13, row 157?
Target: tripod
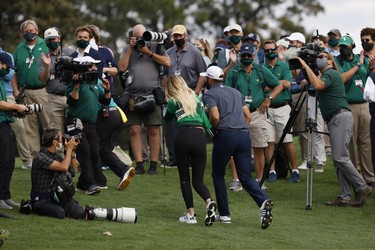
column 311, row 129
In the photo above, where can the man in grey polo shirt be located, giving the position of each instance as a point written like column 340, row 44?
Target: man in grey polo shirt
column 186, row 61
column 142, row 64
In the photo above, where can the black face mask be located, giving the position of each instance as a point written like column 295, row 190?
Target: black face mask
column 179, row 42
column 367, row 46
column 29, row 36
column 346, row 52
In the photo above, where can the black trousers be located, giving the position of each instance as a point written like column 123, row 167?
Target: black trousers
column 108, row 130
column 52, row 208
column 88, row 157
column 7, row 160
column 190, row 147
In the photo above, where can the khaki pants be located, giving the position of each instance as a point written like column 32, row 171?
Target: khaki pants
column 18, row 128
column 57, row 107
column 37, row 122
column 360, row 142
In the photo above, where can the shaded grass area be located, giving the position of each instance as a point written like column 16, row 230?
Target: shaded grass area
column 159, row 204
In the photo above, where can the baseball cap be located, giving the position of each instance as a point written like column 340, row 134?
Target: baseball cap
column 179, row 29
column 226, row 29
column 345, row 40
column 282, row 42
column 252, row 36
column 334, row 31
column 214, row 72
column 6, row 59
column 297, row 36
column 220, row 46
column 51, row 33
column 235, row 27
column 85, row 59
column 247, row 48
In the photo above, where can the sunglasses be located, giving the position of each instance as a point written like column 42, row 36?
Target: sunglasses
column 246, row 56
column 269, row 50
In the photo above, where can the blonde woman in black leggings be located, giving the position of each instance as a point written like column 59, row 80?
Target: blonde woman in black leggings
column 190, row 145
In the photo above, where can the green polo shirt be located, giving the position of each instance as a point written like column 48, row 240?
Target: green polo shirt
column 354, row 93
column 26, row 61
column 4, row 116
column 251, row 85
column 282, row 72
column 332, row 97
column 199, row 119
column 86, row 107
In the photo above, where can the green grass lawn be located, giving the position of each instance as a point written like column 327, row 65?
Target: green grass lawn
column 159, row 204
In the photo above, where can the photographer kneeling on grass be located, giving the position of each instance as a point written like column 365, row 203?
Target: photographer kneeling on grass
column 339, row 119
column 54, row 198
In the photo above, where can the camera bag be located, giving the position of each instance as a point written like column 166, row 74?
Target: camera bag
column 144, row 104
column 63, row 187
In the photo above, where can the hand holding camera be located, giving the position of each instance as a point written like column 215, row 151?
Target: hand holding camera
column 71, row 144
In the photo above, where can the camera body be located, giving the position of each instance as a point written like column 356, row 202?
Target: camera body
column 309, row 54
column 65, row 68
column 76, row 137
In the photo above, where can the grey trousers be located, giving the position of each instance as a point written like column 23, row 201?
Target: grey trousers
column 340, row 130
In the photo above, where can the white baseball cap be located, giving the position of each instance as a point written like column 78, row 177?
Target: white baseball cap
column 51, row 33
column 297, row 36
column 85, row 59
column 235, row 27
column 214, row 72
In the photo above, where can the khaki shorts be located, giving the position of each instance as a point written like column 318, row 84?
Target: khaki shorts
column 258, row 131
column 277, row 119
column 153, row 118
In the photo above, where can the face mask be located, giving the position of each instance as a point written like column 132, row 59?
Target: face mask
column 4, row 72
column 367, row 46
column 246, row 61
column 53, row 45
column 270, row 56
column 29, row 36
column 321, row 63
column 179, row 42
column 234, row 39
column 345, row 52
column 82, row 43
column 333, row 42
column 60, row 148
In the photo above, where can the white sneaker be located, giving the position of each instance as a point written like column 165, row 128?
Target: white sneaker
column 126, row 179
column 223, row 219
column 26, row 165
column 188, row 219
column 319, row 168
column 303, row 166
column 235, row 186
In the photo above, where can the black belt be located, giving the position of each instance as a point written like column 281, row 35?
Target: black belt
column 279, row 105
column 335, row 113
column 235, row 129
column 34, row 87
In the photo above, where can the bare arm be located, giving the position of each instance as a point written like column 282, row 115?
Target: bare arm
column 247, row 114
column 200, row 84
column 12, row 106
column 64, row 165
column 214, row 117
column 16, row 91
column 46, row 59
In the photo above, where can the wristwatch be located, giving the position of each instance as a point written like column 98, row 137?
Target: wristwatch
column 270, row 97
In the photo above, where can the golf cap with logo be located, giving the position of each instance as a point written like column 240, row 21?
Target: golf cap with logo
column 247, row 48
column 51, row 33
column 214, row 72
column 85, row 59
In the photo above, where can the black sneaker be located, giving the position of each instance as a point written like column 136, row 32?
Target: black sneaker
column 210, row 213
column 91, row 190
column 152, row 170
column 140, row 170
column 266, row 214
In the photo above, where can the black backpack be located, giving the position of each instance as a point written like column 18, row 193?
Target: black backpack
column 63, row 187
